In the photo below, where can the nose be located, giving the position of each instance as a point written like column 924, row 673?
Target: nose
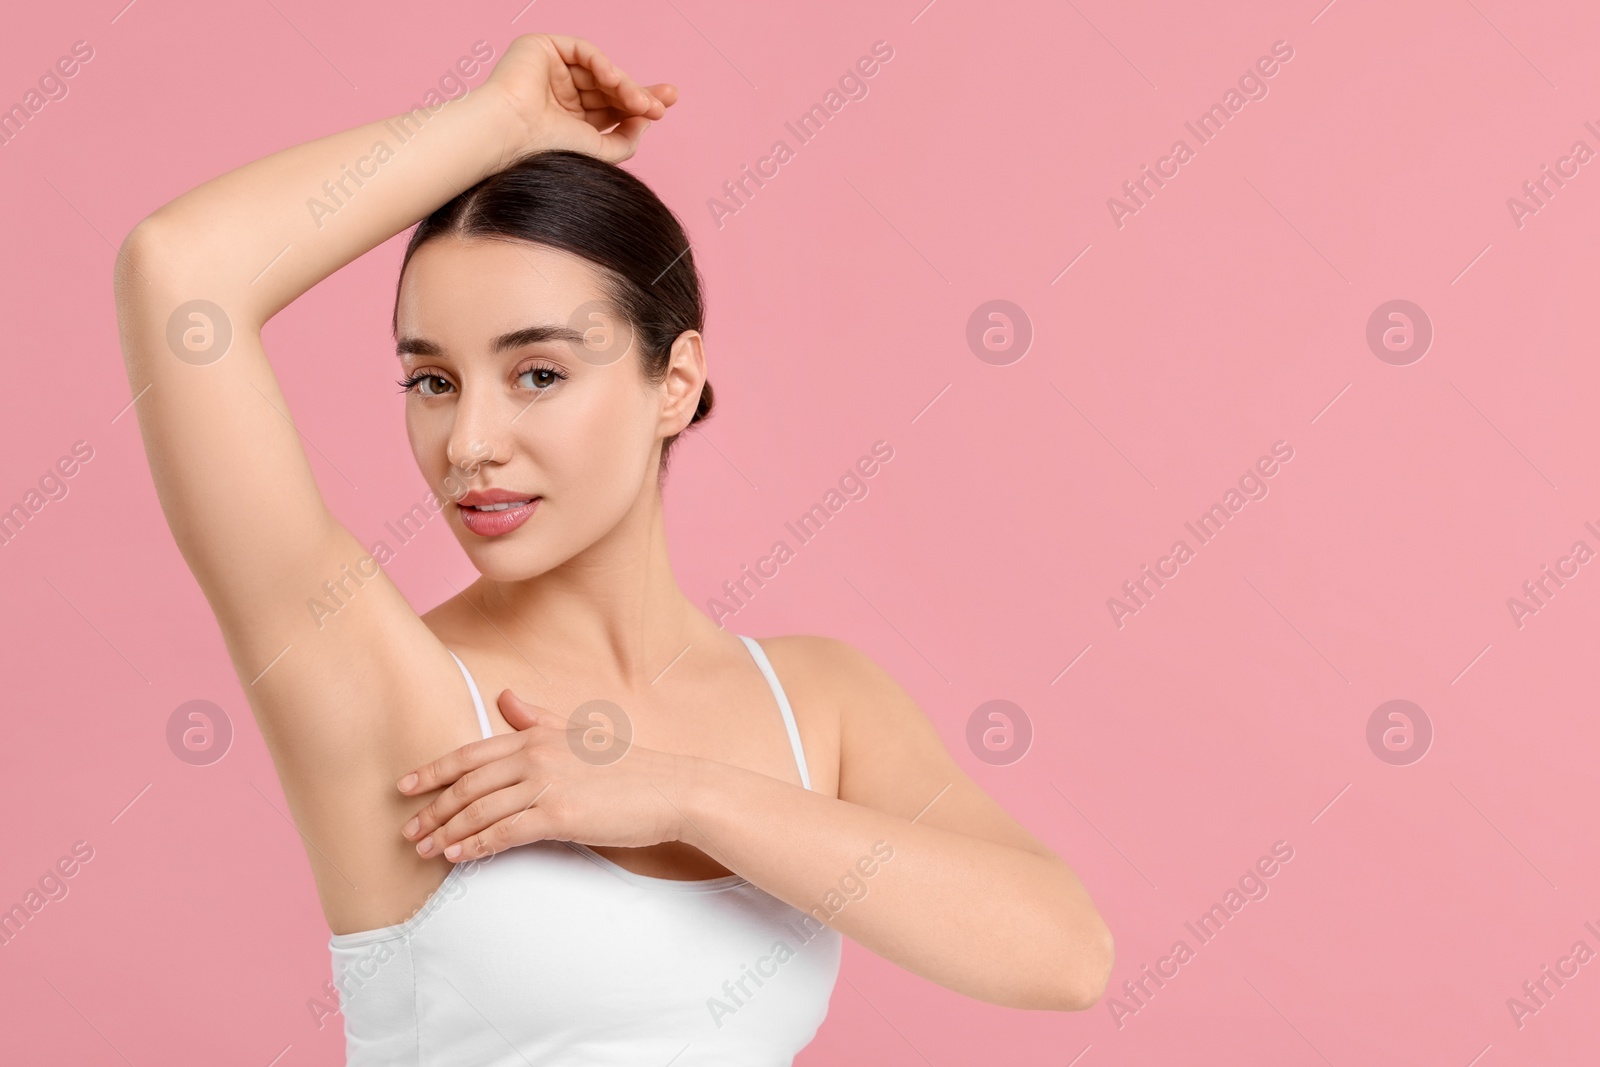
column 481, row 433
column 470, row 455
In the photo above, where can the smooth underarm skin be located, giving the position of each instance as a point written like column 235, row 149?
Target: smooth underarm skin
column 911, row 858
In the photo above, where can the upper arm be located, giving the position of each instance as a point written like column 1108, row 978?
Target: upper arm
column 891, row 758
column 334, row 660
column 226, row 459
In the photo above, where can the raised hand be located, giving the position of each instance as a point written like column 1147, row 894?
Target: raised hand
column 566, row 93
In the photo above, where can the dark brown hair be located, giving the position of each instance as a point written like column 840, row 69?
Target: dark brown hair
column 601, row 213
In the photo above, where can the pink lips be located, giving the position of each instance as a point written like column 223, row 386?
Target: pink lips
column 495, row 523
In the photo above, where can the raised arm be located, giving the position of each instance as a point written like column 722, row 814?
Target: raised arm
column 338, row 700
column 199, row 277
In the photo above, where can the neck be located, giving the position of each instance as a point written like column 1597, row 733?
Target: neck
column 615, row 607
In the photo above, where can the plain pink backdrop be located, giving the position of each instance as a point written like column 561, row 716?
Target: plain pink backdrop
column 1230, row 312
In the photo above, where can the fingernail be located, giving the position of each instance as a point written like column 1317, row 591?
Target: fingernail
column 411, row 827
column 425, row 846
column 452, row 852
column 407, row 783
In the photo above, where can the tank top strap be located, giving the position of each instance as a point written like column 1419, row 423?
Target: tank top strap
column 760, row 656
column 477, row 700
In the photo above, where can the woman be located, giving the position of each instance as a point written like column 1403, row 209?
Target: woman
column 647, row 847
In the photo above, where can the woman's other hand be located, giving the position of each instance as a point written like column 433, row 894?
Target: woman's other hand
column 565, row 92
column 550, row 780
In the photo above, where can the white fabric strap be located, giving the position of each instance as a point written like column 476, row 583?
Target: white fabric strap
column 760, row 657
column 477, row 701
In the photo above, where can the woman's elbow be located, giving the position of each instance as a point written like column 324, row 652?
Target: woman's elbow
column 1087, row 972
column 141, row 259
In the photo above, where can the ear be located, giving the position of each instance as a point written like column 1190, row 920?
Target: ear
column 680, row 391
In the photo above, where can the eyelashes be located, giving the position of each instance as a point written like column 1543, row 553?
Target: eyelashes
column 552, row 375
column 408, row 384
column 555, row 373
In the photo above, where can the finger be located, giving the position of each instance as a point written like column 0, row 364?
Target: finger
column 665, row 92
column 592, row 99
column 564, row 88
column 519, row 713
column 462, row 794
column 512, row 806
column 584, row 79
column 597, row 100
column 622, row 142
column 581, row 53
column 623, row 102
column 453, row 765
column 521, row 828
column 604, row 117
column 626, row 93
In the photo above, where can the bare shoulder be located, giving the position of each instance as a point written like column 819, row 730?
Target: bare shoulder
column 805, row 669
column 846, row 680
column 892, row 754
column 881, row 727
column 811, row 656
column 866, row 716
column 831, row 676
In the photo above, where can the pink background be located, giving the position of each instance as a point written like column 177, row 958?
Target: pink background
column 1229, row 313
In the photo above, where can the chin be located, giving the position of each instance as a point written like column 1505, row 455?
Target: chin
column 507, row 562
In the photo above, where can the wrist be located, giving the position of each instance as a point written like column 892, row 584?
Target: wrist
column 514, row 133
column 694, row 783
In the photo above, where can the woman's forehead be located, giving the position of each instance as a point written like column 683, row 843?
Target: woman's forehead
column 471, row 287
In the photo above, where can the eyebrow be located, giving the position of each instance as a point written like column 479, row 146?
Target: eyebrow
column 528, row 335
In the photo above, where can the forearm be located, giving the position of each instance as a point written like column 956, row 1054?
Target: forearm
column 988, row 920
column 258, row 236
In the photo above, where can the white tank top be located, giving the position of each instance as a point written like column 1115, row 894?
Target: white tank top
column 548, row 953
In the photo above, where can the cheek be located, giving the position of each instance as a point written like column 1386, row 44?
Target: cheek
column 590, row 460
column 412, row 434
column 606, row 437
column 426, row 438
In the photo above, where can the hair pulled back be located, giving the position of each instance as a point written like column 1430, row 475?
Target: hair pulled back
column 601, row 213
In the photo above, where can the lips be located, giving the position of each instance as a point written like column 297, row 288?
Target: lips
column 494, row 512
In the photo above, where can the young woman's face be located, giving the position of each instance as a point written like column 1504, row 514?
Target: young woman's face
column 563, row 435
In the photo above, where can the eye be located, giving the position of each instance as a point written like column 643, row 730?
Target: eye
column 541, row 377
column 430, row 383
